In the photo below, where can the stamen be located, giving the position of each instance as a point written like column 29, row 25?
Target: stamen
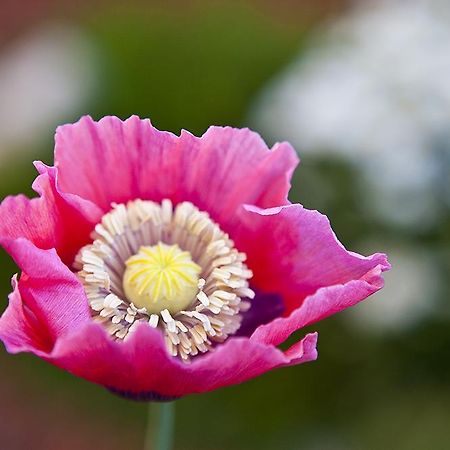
column 172, row 268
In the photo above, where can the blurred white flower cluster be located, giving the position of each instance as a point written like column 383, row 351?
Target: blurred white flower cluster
column 410, row 293
column 44, row 76
column 374, row 88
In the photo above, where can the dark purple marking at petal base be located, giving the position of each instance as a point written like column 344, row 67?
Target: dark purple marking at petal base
column 265, row 308
column 142, row 396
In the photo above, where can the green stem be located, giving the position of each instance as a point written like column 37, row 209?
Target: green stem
column 159, row 433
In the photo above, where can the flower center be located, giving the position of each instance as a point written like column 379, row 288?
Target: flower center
column 170, row 267
column 161, row 277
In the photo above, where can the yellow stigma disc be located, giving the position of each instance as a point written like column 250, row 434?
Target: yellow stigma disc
column 161, row 277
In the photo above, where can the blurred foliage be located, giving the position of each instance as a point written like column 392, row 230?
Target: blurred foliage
column 185, row 69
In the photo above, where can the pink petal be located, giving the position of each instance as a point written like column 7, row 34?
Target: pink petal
column 141, row 364
column 49, row 316
column 19, row 329
column 292, row 251
column 303, row 351
column 53, row 220
column 48, row 289
column 325, row 302
column 58, row 328
column 115, row 161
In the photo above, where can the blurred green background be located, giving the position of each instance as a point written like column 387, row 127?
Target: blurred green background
column 382, row 377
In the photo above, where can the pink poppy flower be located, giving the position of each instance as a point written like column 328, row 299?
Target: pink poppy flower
column 159, row 265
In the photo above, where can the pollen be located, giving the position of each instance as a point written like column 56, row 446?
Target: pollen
column 161, row 277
